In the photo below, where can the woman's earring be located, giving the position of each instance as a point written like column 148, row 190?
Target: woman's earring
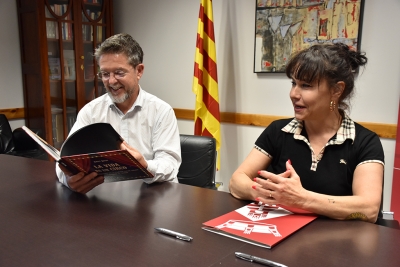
column 332, row 105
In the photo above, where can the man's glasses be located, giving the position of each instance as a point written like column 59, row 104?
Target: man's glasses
column 105, row 76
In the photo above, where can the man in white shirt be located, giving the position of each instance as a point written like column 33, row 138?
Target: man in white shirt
column 146, row 123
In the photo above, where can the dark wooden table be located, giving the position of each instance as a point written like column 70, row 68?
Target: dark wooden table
column 42, row 223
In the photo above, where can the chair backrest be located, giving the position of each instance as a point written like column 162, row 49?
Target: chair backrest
column 6, row 135
column 23, row 142
column 18, row 142
column 198, row 161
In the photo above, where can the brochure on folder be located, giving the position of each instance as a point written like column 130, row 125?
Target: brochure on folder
column 260, row 225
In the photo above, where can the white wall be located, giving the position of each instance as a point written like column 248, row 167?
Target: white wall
column 11, row 91
column 167, row 32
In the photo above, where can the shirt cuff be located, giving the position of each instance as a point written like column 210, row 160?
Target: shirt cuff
column 152, row 168
column 62, row 178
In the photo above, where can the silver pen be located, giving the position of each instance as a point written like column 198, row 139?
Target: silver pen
column 175, row 234
column 251, row 258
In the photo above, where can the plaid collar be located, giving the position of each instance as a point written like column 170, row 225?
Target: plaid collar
column 347, row 130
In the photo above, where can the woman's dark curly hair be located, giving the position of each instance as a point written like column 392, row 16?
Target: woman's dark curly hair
column 332, row 62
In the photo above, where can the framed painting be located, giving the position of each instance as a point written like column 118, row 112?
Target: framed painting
column 283, row 27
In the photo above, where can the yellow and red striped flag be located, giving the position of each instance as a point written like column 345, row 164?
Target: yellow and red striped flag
column 205, row 82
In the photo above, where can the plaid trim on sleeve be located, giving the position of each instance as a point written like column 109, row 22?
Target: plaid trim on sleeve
column 263, row 151
column 371, row 161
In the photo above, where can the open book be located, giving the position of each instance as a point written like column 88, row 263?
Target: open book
column 95, row 148
column 260, row 225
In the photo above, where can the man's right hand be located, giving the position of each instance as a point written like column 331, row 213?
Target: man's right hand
column 80, row 182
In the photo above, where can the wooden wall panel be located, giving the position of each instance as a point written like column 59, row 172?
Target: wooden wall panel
column 384, row 130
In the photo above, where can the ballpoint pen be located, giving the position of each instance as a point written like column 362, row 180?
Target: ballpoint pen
column 175, row 234
column 251, row 258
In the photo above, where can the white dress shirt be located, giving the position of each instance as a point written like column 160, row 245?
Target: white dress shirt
column 150, row 126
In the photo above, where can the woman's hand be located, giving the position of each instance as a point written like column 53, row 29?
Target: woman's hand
column 284, row 188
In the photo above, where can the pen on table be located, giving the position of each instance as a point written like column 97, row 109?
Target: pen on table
column 175, row 234
column 251, row 258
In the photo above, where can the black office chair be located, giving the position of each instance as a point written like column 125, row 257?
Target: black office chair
column 388, row 220
column 385, row 218
column 198, row 165
column 18, row 142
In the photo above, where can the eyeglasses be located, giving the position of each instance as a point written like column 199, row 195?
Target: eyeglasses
column 105, row 76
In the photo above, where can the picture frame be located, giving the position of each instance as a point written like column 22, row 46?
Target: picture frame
column 284, row 27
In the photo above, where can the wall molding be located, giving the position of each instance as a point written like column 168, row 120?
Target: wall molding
column 384, row 130
column 14, row 113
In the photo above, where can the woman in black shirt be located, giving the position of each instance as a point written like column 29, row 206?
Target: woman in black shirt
column 320, row 160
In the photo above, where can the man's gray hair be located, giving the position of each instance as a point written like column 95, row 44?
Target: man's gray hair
column 121, row 43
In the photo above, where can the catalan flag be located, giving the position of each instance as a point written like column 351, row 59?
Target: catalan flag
column 205, row 82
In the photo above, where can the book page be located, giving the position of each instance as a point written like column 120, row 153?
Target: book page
column 52, row 151
column 92, row 138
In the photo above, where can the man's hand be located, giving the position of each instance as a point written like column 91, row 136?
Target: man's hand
column 80, row 182
column 136, row 154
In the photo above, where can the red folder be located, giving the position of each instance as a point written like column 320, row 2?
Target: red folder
column 260, row 225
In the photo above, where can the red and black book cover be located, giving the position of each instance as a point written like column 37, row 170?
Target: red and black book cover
column 95, row 148
column 117, row 165
column 260, row 225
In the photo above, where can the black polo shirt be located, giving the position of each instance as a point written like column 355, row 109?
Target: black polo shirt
column 330, row 172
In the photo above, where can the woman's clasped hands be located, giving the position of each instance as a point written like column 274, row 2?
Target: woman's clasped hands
column 284, row 188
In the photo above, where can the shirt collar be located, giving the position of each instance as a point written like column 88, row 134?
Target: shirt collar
column 346, row 130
